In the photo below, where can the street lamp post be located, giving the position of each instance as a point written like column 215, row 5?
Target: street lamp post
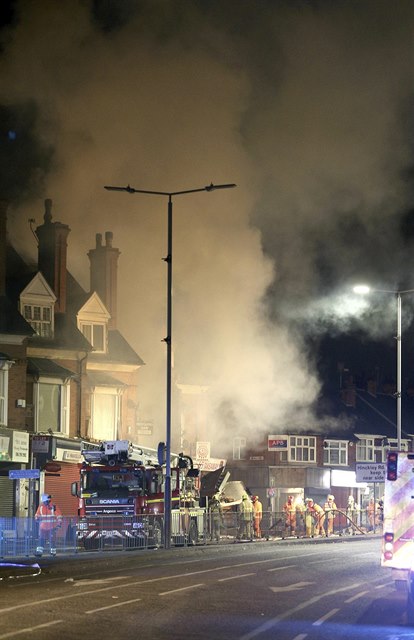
column 168, row 339
column 363, row 289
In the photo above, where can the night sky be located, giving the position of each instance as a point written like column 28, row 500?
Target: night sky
column 307, row 106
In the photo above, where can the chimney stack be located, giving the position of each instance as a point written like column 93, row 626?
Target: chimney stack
column 104, row 274
column 52, row 254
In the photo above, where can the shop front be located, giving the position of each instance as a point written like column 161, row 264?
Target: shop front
column 14, row 455
column 58, row 460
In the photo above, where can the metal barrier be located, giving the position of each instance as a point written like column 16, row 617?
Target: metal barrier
column 19, row 537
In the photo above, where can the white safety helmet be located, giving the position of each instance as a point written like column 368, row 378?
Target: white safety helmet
column 46, row 497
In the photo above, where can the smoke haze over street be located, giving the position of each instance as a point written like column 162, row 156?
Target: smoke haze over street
column 306, row 106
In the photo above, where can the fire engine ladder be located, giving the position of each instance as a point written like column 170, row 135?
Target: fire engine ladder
column 147, row 455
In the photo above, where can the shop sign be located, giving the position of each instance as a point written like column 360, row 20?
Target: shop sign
column 68, row 455
column 202, row 451
column 277, row 443
column 210, row 465
column 20, row 446
column 40, row 444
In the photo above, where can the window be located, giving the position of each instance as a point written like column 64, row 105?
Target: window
column 335, row 452
column 365, row 450
column 239, row 448
column 371, row 450
column 40, row 318
column 95, row 334
column 105, row 413
column 393, row 444
column 52, row 406
column 302, row 448
column 4, row 376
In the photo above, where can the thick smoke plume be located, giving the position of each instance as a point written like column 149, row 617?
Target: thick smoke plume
column 305, row 105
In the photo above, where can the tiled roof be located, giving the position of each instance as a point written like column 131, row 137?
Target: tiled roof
column 119, row 351
column 48, row 368
column 11, row 321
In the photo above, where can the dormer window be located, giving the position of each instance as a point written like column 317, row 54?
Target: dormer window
column 37, row 305
column 93, row 319
column 40, row 318
column 95, row 334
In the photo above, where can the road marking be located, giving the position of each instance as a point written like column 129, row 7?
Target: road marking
column 192, row 586
column 244, row 575
column 356, row 596
column 43, row 580
column 301, row 636
column 111, row 606
column 35, row 603
column 287, row 566
column 291, row 587
column 328, row 615
column 11, row 634
column 92, row 581
column 271, row 623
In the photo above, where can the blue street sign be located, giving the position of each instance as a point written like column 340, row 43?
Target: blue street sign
column 17, row 474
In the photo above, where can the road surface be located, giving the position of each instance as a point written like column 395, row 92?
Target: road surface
column 286, row 590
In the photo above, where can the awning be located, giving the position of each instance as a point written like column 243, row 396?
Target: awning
column 45, row 368
column 101, row 379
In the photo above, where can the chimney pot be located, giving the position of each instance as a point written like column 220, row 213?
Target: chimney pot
column 108, row 238
column 48, row 210
column 98, row 240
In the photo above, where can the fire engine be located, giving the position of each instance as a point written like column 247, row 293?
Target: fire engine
column 121, row 497
column 398, row 529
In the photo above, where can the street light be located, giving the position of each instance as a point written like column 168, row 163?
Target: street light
column 364, row 289
column 168, row 339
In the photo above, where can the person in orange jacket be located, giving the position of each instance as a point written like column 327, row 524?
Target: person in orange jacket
column 49, row 517
column 289, row 509
column 257, row 516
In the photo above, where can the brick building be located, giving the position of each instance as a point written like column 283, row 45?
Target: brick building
column 67, row 375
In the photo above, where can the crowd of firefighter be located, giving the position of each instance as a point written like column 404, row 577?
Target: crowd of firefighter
column 298, row 518
column 301, row 518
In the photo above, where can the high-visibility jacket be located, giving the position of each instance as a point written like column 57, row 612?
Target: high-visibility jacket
column 246, row 509
column 258, row 509
column 289, row 507
column 330, row 509
column 48, row 515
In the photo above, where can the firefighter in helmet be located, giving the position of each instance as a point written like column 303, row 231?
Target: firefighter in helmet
column 289, row 509
column 49, row 517
column 258, row 515
column 330, row 512
column 246, row 517
column 216, row 517
column 314, row 519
